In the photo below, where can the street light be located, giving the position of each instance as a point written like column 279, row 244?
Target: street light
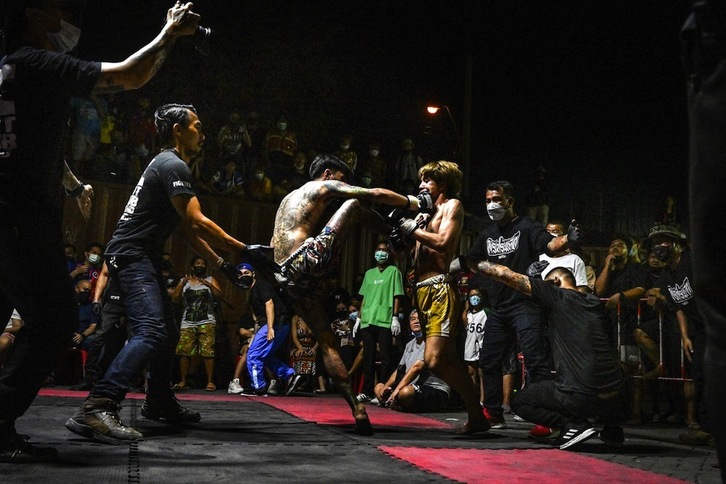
column 435, row 109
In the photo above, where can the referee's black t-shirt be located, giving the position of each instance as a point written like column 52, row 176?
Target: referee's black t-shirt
column 149, row 217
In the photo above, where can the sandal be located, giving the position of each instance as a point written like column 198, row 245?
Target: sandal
column 211, row 387
column 179, row 386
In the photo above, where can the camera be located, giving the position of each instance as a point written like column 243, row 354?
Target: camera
column 201, row 39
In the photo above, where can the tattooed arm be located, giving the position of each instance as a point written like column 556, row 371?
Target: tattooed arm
column 82, row 192
column 505, row 275
column 381, row 195
column 140, row 67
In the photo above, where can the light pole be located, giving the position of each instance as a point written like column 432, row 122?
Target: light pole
column 434, row 110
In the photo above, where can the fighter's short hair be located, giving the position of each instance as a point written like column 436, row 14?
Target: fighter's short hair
column 324, row 161
column 445, row 173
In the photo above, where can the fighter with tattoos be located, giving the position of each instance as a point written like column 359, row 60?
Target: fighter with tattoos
column 305, row 242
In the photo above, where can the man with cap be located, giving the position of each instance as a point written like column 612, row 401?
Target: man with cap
column 274, row 322
column 37, row 80
column 306, row 242
column 676, row 292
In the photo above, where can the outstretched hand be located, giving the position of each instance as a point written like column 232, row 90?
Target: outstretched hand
column 180, row 20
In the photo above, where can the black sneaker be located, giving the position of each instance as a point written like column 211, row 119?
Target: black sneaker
column 169, row 410
column 574, row 434
column 77, row 424
column 20, row 451
column 101, row 414
column 697, row 437
column 292, row 383
column 612, row 435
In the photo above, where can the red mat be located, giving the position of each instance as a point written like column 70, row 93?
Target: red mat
column 520, row 465
column 321, row 410
column 335, row 411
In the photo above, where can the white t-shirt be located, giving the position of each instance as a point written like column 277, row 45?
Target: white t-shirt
column 474, row 334
column 572, row 262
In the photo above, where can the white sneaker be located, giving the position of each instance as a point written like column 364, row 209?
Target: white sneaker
column 363, row 398
column 234, row 387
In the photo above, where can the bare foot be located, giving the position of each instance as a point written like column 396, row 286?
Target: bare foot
column 362, row 423
column 474, row 427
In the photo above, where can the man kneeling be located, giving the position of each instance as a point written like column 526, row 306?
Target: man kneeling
column 412, row 388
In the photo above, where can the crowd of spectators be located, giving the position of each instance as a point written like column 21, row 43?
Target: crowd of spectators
column 248, row 157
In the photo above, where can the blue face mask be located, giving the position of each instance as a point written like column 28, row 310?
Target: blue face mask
column 354, row 315
column 474, row 300
column 418, row 334
column 381, row 256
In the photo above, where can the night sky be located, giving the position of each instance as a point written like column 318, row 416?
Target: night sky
column 595, row 93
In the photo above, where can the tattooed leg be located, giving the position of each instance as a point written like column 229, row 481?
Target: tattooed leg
column 312, row 313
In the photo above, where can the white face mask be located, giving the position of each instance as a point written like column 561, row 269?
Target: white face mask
column 344, row 147
column 66, row 39
column 282, row 126
column 496, row 211
column 374, row 152
column 94, row 259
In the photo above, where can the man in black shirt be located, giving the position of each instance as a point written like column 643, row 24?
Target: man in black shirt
column 676, row 290
column 37, row 80
column 589, row 381
column 163, row 199
column 515, row 242
column 274, row 322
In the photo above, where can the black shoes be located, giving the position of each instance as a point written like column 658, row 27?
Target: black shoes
column 292, row 383
column 169, row 410
column 20, row 451
column 99, row 419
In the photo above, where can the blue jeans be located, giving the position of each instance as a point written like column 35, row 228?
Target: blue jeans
column 526, row 324
column 263, row 353
column 155, row 334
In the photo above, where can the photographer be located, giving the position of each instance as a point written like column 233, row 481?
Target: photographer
column 412, row 388
column 38, row 79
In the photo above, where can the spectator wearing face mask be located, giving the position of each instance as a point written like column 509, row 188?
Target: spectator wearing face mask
column 197, row 292
column 90, row 268
column 87, row 320
column 475, row 318
column 378, row 322
column 346, row 153
column 280, row 147
column 376, row 166
column 259, row 187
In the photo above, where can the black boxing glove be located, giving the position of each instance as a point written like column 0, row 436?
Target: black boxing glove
column 574, row 232
column 398, row 242
column 535, row 268
column 260, row 256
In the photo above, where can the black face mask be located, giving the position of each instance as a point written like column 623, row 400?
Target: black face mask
column 342, row 315
column 246, row 281
column 82, row 297
column 199, row 271
column 166, row 265
column 662, row 252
